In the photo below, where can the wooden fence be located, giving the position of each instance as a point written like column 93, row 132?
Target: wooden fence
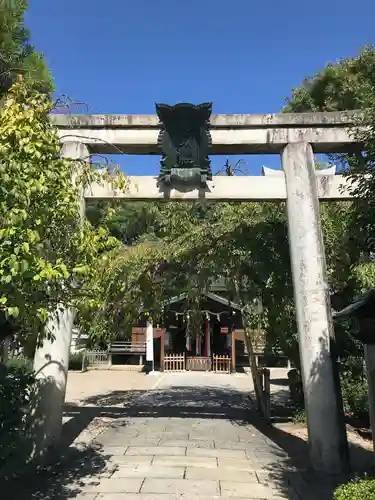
column 95, row 359
column 127, row 347
column 199, row 363
column 222, row 363
column 174, row 362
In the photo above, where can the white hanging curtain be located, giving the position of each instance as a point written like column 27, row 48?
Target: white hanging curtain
column 198, row 345
column 168, row 339
column 207, row 336
column 188, row 335
column 229, row 339
column 209, row 332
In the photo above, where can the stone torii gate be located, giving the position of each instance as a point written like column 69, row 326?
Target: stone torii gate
column 295, row 137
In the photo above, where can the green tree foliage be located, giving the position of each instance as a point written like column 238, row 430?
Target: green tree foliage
column 17, row 54
column 247, row 244
column 46, row 250
column 349, row 84
column 358, row 489
column 343, row 85
column 127, row 222
column 16, row 386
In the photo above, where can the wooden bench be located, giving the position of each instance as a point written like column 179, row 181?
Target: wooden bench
column 125, row 347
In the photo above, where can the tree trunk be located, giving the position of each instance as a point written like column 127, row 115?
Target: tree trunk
column 254, row 368
column 250, row 352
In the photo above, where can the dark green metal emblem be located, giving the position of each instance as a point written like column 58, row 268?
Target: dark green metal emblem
column 184, row 141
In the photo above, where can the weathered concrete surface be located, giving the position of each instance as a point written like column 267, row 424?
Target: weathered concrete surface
column 51, row 366
column 52, row 358
column 224, row 141
column 194, row 436
column 313, row 310
column 319, row 119
column 231, row 134
column 235, row 188
column 279, row 173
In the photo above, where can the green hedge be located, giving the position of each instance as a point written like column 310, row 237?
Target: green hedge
column 75, row 361
column 359, row 489
column 355, row 396
column 295, row 387
column 19, row 364
column 354, row 387
column 17, row 382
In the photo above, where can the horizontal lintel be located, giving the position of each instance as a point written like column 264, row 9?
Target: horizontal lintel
column 315, row 119
column 224, row 141
column 224, row 188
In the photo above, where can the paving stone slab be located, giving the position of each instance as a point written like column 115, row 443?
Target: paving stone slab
column 155, row 450
column 141, row 441
column 145, row 437
column 162, row 496
column 232, row 445
column 149, row 429
column 201, row 436
column 267, row 448
column 163, row 436
column 130, row 459
column 239, row 464
column 113, row 441
column 177, row 433
column 221, row 474
column 112, row 450
column 268, row 458
column 205, row 452
column 214, row 427
column 111, row 435
column 277, row 477
column 251, row 491
column 187, row 444
column 155, row 436
column 253, row 438
column 178, row 461
column 180, row 486
column 124, row 485
column 204, row 497
column 137, row 496
column 149, row 471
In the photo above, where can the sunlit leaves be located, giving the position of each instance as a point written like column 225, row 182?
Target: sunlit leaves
column 46, row 250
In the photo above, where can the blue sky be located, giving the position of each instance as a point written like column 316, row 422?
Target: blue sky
column 122, row 56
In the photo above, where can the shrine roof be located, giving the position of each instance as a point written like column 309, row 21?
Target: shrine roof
column 209, row 295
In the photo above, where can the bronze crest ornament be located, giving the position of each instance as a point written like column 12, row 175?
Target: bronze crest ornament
column 184, row 141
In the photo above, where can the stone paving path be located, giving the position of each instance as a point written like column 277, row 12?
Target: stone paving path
column 189, row 441
column 189, row 438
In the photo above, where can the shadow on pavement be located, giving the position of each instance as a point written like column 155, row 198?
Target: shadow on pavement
column 286, row 462
column 62, row 479
column 284, row 382
column 289, row 464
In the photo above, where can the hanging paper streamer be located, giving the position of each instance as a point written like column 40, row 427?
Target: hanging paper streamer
column 198, row 345
column 229, row 340
column 207, row 336
column 188, row 341
column 168, row 339
column 188, row 334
